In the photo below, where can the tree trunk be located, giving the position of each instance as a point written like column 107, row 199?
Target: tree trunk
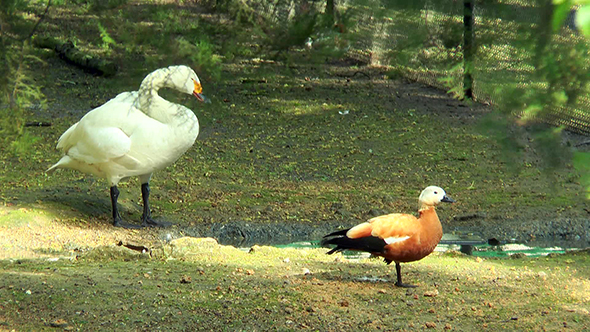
column 330, row 9
column 68, row 52
column 468, row 48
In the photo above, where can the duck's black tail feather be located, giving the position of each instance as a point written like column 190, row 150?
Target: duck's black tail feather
column 340, row 232
column 342, row 242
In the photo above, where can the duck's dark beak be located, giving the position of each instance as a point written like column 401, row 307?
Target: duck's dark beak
column 447, row 199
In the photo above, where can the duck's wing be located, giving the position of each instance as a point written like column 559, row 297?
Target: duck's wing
column 392, row 228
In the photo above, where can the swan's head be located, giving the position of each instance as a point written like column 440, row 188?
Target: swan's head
column 186, row 80
column 433, row 195
column 181, row 78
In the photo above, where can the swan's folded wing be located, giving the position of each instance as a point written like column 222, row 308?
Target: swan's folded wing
column 103, row 133
column 97, row 145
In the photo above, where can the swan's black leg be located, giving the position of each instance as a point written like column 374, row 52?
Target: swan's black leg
column 117, row 221
column 146, row 218
column 399, row 283
column 114, row 196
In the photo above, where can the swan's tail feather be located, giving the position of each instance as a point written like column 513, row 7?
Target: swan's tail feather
column 60, row 164
column 52, row 169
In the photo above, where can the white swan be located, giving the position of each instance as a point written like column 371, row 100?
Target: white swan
column 134, row 134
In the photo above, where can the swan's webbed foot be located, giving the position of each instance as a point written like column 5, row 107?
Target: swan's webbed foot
column 117, row 221
column 121, row 223
column 149, row 222
column 146, row 217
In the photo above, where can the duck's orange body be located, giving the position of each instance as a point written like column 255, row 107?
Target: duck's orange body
column 397, row 237
column 411, row 238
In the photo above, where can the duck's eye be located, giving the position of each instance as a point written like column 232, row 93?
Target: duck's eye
column 435, row 193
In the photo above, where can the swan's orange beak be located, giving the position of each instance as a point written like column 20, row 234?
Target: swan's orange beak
column 197, row 92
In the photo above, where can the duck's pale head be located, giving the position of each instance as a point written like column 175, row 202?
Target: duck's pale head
column 432, row 196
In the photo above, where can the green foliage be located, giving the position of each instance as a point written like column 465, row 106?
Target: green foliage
column 450, row 32
column 583, row 20
column 10, row 7
column 293, row 33
column 18, row 89
column 562, row 73
column 100, row 5
column 107, row 40
column 561, row 10
column 201, row 54
column 453, row 80
column 19, row 92
column 23, row 144
column 566, row 71
column 582, row 164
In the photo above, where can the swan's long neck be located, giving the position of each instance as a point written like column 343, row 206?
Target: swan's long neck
column 156, row 107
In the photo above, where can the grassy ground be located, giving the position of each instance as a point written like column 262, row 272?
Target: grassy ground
column 288, row 150
column 315, row 150
column 298, row 142
column 195, row 284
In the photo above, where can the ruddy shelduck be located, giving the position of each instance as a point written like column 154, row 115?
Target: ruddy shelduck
column 397, row 237
column 134, row 134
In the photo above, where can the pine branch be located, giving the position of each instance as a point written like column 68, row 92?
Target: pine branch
column 38, row 22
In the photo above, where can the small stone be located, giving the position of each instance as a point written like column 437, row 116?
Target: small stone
column 28, row 292
column 382, row 291
column 186, row 279
column 286, row 260
column 249, row 272
column 430, row 325
column 344, row 303
column 58, row 323
column 433, row 293
column 306, row 271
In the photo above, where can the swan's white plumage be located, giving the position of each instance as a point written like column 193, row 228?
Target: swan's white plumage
column 135, row 133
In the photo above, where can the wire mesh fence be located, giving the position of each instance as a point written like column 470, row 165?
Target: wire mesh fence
column 425, row 40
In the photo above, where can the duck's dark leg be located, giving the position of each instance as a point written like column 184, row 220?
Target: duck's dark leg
column 117, row 221
column 146, row 217
column 399, row 283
